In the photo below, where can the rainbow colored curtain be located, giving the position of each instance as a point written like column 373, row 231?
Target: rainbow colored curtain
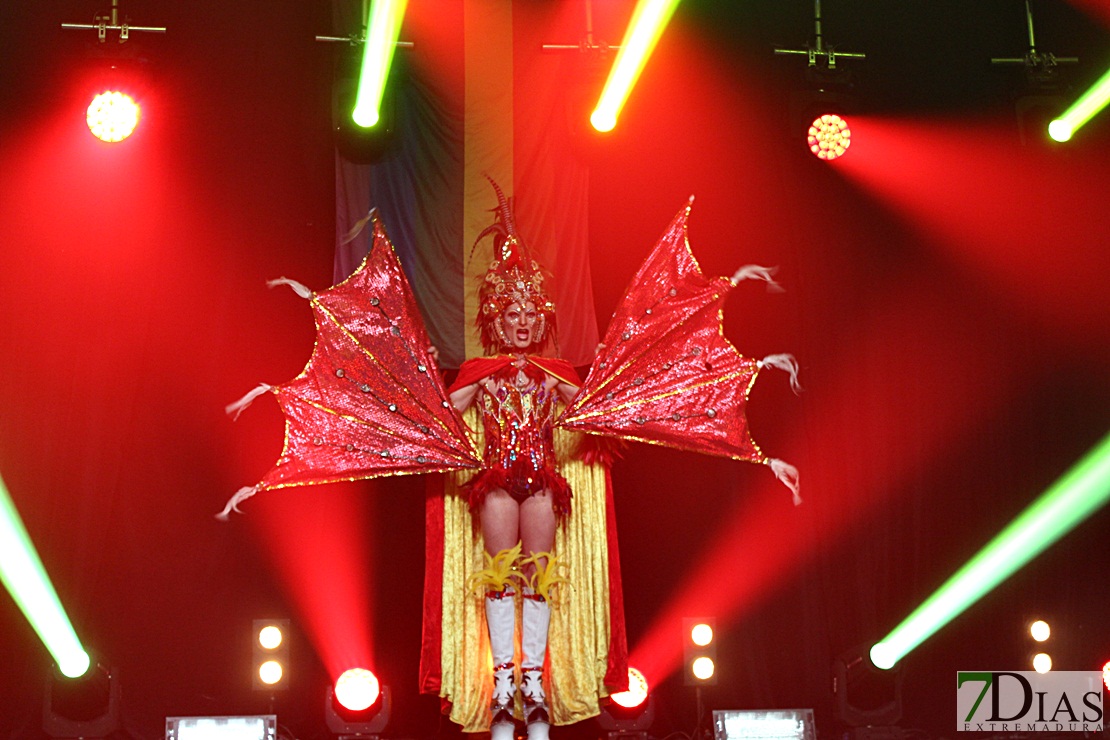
column 478, row 96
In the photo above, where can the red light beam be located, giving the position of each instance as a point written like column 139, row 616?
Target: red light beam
column 906, row 367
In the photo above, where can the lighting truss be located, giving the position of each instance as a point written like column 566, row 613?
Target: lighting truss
column 110, row 22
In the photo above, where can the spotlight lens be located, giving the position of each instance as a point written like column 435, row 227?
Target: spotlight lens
column 270, row 672
column 76, row 665
column 356, row 689
column 882, row 656
column 269, row 636
column 1059, row 131
column 1040, row 630
column 112, row 116
column 703, row 668
column 829, row 136
column 701, row 634
column 602, row 121
column 366, row 116
column 637, row 690
column 1042, row 662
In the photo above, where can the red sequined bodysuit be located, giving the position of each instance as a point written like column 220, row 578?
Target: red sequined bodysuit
column 518, row 412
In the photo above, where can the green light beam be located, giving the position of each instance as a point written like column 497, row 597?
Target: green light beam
column 1082, row 110
column 30, row 587
column 1066, row 504
column 377, row 57
column 649, row 19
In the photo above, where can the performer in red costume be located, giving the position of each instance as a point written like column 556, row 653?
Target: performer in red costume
column 519, row 482
column 520, row 493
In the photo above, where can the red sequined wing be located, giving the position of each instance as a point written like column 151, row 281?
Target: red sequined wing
column 370, row 402
column 666, row 374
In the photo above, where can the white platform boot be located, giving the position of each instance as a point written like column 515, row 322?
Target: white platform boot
column 536, row 617
column 501, row 621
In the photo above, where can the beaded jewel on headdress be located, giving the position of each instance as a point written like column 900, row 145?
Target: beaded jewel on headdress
column 513, row 277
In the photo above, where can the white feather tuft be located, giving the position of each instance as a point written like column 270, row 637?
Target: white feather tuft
column 757, row 272
column 234, row 409
column 298, row 288
column 240, row 496
column 786, row 363
column 788, row 474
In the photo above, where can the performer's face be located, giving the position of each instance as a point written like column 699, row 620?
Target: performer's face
column 519, row 322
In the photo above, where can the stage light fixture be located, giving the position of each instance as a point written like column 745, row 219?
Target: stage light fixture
column 1106, row 674
column 649, row 20
column 368, row 722
column 357, row 689
column 699, row 651
column 629, row 714
column 820, row 110
column 87, row 706
column 637, row 692
column 1042, row 662
column 24, row 576
column 355, row 143
column 764, row 724
column 820, row 107
column 866, row 696
column 1039, row 630
column 1039, row 98
column 1065, row 505
column 270, row 649
column 112, row 116
column 247, row 727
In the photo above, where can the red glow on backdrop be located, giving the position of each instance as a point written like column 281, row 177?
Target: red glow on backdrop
column 1029, row 223
column 766, row 540
column 317, row 539
column 1097, row 8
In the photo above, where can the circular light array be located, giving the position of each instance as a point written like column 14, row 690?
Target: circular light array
column 356, row 689
column 1042, row 662
column 637, row 690
column 829, row 136
column 1106, row 675
column 112, row 116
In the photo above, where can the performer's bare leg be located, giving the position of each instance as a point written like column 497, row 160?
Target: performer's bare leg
column 500, row 518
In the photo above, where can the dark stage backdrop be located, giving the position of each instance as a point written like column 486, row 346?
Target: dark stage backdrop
column 944, row 294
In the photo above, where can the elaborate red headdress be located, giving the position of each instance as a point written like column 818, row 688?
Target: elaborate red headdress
column 513, row 277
